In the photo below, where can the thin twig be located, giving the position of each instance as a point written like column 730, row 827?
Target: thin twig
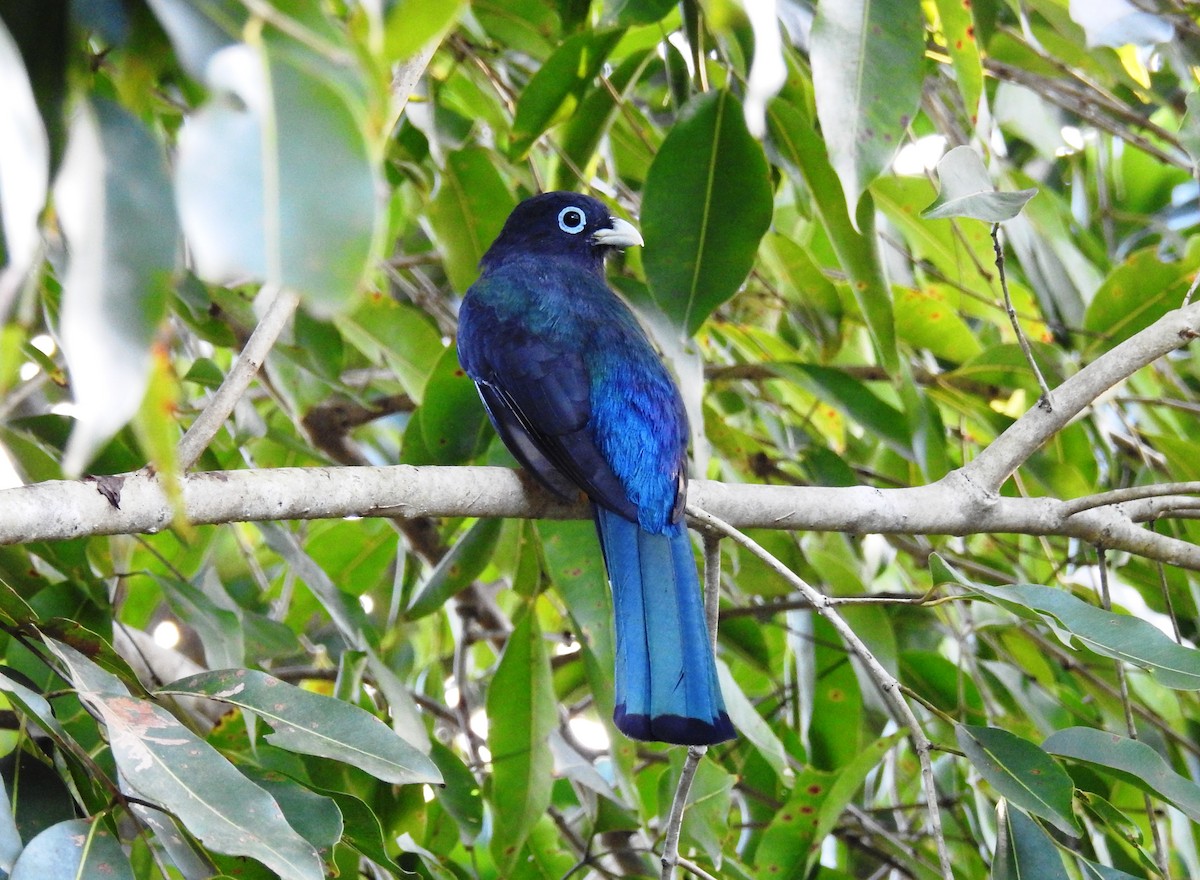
column 670, row 856
column 1129, row 493
column 245, row 368
column 1026, row 349
column 889, row 687
column 1160, row 848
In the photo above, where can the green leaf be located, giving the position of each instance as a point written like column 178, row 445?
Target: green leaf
column 1130, row 760
column 314, row 724
column 468, row 210
column 835, row 733
column 71, row 850
column 451, row 420
column 958, row 29
column 576, row 568
column 1022, row 773
column 854, row 399
column 459, row 796
column 521, row 714
column 275, row 178
column 114, row 200
column 163, row 762
column 707, row 204
column 857, row 249
column 925, row 318
column 1137, row 293
column 866, row 70
column 458, row 568
column 558, row 86
column 1094, row 871
column 581, row 135
column 315, row 817
column 361, row 829
column 749, row 724
column 398, row 335
column 413, row 24
column 1023, row 849
column 1119, row 636
column 967, row 191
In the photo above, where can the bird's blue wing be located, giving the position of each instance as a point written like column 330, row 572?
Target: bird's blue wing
column 538, row 396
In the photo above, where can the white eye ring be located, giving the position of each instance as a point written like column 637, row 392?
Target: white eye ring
column 572, row 220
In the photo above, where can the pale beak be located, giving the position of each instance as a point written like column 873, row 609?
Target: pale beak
column 622, row 234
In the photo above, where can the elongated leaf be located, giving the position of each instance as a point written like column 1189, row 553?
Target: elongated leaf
column 1119, row 636
column 71, row 850
column 1130, row 760
column 1023, row 849
column 958, row 29
column 163, row 762
column 398, row 335
column 314, row 724
column 411, row 24
column 467, row 212
column 576, row 568
column 707, row 205
column 315, row 817
column 583, row 132
column 451, row 421
column 749, row 724
column 275, row 178
column 1022, row 773
column 521, row 715
column 853, row 398
column 466, row 559
column 866, row 70
column 967, row 191
column 854, row 241
column 1094, row 871
column 559, row 85
column 24, row 168
column 114, row 200
column 1137, row 293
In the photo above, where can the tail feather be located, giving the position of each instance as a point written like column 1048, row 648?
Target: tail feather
column 666, row 676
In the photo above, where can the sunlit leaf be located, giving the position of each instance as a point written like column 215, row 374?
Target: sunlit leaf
column 24, row 168
column 468, row 210
column 117, row 211
column 557, row 88
column 866, row 68
column 275, row 179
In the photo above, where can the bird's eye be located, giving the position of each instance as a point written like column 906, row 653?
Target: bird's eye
column 572, row 220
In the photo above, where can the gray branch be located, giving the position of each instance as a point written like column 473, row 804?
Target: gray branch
column 58, row 510
column 964, row 502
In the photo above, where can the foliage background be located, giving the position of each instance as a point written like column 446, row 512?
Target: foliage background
column 171, row 172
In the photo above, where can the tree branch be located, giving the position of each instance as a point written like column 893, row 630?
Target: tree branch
column 61, row 509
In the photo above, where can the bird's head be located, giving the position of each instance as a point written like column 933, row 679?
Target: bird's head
column 562, row 224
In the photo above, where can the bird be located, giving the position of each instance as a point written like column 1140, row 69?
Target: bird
column 584, row 402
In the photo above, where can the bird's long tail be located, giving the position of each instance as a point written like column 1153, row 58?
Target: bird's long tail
column 666, row 676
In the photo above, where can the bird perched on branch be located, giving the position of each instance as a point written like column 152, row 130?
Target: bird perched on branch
column 580, row 397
